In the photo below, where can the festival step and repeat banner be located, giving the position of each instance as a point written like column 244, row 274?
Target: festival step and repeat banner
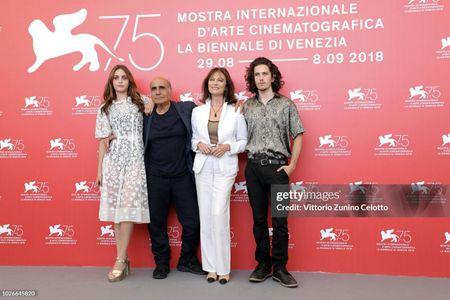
column 370, row 80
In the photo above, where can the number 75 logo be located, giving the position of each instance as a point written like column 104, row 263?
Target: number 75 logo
column 49, row 44
column 135, row 38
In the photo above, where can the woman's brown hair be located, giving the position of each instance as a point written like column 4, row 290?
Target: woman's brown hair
column 230, row 98
column 110, row 94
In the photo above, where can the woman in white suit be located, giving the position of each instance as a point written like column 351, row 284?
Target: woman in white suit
column 219, row 133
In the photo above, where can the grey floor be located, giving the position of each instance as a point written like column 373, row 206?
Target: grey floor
column 90, row 283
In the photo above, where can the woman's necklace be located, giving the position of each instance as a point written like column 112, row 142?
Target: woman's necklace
column 216, row 111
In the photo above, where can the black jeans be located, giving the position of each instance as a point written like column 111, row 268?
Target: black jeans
column 259, row 178
column 162, row 192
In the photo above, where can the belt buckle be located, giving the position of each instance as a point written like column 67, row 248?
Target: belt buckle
column 264, row 162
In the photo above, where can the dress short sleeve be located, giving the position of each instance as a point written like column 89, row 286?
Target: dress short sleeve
column 102, row 126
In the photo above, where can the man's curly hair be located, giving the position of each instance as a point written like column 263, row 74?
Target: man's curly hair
column 277, row 83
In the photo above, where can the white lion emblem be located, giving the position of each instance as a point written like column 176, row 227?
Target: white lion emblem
column 50, row 44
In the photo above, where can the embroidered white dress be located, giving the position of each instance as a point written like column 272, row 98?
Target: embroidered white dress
column 124, row 187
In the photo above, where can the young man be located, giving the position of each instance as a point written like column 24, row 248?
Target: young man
column 272, row 120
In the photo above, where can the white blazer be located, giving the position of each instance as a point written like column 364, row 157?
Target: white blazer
column 232, row 130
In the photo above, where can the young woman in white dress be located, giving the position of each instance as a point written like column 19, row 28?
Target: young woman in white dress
column 219, row 133
column 121, row 171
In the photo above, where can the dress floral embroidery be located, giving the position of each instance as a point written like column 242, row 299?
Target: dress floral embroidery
column 124, row 187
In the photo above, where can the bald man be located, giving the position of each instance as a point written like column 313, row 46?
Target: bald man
column 170, row 179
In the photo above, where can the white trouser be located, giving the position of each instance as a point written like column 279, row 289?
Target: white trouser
column 213, row 191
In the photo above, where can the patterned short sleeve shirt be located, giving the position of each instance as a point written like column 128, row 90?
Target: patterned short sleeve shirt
column 270, row 127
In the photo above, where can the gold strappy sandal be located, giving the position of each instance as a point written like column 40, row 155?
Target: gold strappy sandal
column 118, row 275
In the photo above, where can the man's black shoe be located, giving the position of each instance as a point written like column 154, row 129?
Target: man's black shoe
column 161, row 271
column 193, row 267
column 284, row 278
column 261, row 273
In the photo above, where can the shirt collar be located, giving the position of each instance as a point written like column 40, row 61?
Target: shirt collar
column 275, row 95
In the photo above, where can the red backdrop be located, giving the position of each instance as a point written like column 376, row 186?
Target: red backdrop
column 356, row 71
